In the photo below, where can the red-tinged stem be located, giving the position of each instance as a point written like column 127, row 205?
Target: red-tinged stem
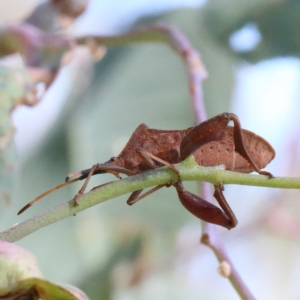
column 210, row 236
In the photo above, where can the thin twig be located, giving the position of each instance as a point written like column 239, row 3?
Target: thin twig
column 210, row 236
column 212, row 240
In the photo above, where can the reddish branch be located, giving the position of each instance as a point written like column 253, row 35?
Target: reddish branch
column 211, row 238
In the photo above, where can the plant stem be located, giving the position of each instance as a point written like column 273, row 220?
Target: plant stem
column 212, row 239
column 189, row 171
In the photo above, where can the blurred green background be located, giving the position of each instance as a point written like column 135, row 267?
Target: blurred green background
column 151, row 250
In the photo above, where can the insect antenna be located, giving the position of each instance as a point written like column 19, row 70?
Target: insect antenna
column 84, row 173
column 47, row 193
column 72, row 175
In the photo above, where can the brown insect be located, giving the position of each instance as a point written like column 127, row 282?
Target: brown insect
column 212, row 143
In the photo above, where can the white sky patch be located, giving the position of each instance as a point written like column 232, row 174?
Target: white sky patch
column 246, row 38
column 108, row 17
column 267, row 101
column 32, row 123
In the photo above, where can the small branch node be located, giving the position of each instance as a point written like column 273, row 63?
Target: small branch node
column 224, row 269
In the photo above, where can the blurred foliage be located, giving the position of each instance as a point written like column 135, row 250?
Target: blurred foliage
column 132, row 85
column 52, row 15
column 16, row 88
column 99, row 283
column 277, row 21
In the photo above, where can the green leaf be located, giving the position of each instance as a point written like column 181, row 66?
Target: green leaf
column 48, row 290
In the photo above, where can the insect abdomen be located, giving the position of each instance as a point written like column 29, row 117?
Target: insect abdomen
column 222, row 152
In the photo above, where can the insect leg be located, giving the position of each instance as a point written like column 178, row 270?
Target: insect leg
column 199, row 207
column 218, row 194
column 134, row 197
column 81, row 191
column 97, row 169
column 149, row 158
column 203, row 209
column 240, row 146
column 203, row 133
